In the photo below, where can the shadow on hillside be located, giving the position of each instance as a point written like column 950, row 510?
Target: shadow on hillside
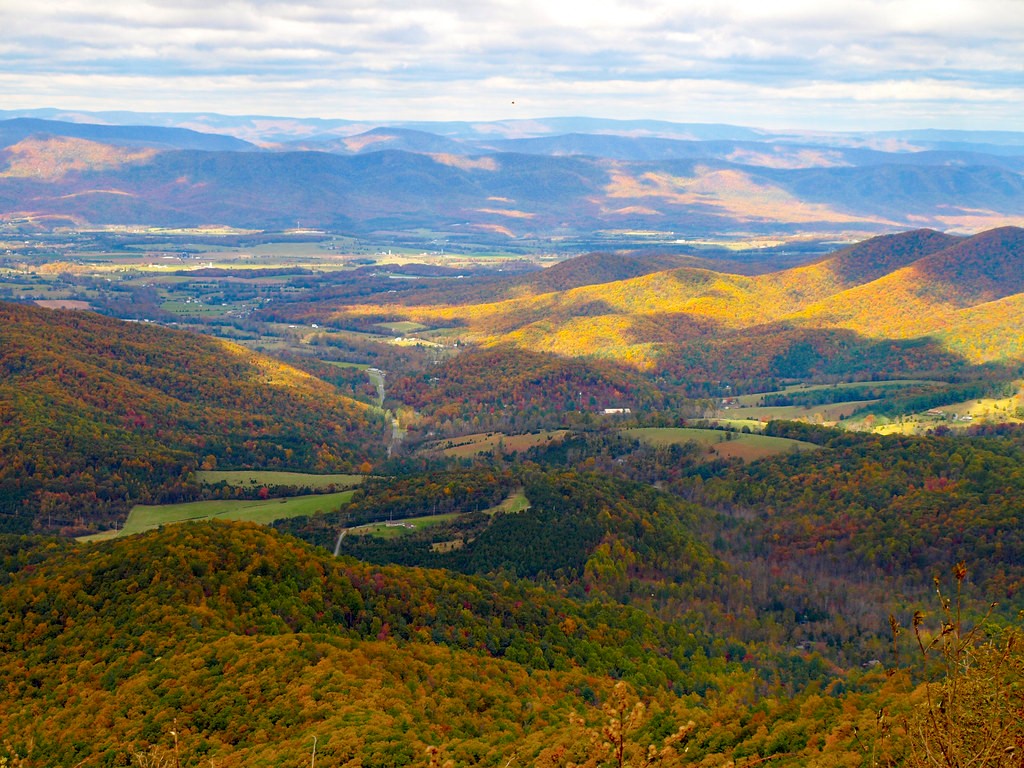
column 780, row 351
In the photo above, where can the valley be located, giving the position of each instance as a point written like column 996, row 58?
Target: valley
column 397, row 483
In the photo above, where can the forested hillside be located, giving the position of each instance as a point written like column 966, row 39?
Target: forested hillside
column 509, row 388
column 919, row 301
column 799, row 550
column 98, row 415
column 227, row 643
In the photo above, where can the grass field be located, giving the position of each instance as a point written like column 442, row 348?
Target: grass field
column 748, row 447
column 244, row 477
column 471, row 445
column 145, row 518
column 736, row 423
column 989, row 410
column 391, row 530
column 826, row 413
column 517, row 502
column 758, row 397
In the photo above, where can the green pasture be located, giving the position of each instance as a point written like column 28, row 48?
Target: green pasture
column 396, row 528
column 956, row 416
column 263, row 511
column 245, row 477
column 825, row 412
column 722, row 444
column 737, row 423
column 758, row 397
column 517, row 502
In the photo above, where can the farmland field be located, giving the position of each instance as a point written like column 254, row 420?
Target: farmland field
column 517, row 502
column 263, row 511
column 796, row 389
column 748, row 447
column 823, row 413
column 245, row 477
column 471, row 445
column 389, row 530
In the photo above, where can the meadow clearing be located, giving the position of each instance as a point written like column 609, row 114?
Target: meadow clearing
column 263, row 511
column 721, row 443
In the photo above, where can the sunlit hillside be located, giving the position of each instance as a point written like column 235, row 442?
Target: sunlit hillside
column 51, row 159
column 912, row 285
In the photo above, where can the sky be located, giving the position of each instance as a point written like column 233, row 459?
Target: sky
column 783, row 64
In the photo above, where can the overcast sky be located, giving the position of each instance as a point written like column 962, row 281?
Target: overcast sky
column 811, row 64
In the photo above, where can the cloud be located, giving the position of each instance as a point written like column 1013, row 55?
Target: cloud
column 728, row 60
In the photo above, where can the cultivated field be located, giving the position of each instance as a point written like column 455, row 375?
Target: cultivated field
column 517, row 502
column 989, row 410
column 390, row 530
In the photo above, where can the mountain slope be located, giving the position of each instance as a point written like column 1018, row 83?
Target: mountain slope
column 249, row 644
column 408, row 180
column 909, row 286
column 18, row 129
column 924, row 296
column 873, row 258
column 98, row 415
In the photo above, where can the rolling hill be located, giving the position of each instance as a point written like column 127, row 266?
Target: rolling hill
column 98, row 414
column 229, row 643
column 587, row 599
column 916, row 287
column 161, row 137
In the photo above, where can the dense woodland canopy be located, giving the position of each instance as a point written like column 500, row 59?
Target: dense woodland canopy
column 246, row 645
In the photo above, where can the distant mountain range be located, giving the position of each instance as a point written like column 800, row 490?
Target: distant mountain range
column 502, row 182
column 263, row 129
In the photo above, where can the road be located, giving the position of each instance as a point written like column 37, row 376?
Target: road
column 377, row 378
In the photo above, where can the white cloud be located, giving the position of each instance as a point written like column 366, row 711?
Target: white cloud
column 730, row 60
